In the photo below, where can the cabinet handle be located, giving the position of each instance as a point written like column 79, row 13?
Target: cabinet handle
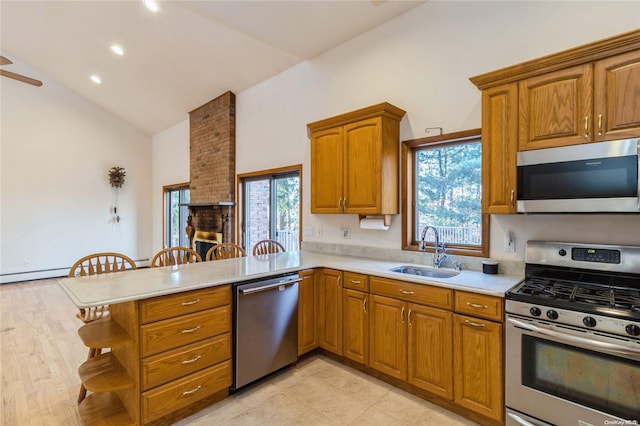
column 192, row 391
column 354, row 281
column 364, row 305
column 406, row 292
column 474, row 324
column 599, row 124
column 409, row 317
column 340, row 205
column 193, row 302
column 344, row 204
column 402, row 315
column 192, row 360
column 586, row 127
column 191, row 330
column 475, row 305
column 338, row 280
column 513, row 198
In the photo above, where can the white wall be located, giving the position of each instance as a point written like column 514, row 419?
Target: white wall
column 56, row 198
column 170, row 159
column 421, row 62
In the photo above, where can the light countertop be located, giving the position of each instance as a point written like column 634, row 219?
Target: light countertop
column 118, row 287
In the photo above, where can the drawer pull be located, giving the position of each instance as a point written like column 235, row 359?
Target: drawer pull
column 406, row 291
column 354, row 281
column 474, row 324
column 192, row 360
column 191, row 330
column 192, row 391
column 476, row 305
column 193, row 302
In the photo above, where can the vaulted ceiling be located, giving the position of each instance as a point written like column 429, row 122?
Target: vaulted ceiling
column 175, row 60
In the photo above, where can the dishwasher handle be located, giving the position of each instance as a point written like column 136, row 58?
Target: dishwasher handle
column 268, row 286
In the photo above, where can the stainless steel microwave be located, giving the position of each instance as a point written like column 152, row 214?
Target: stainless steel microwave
column 599, row 177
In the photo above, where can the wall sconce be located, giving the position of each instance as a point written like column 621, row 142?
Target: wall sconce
column 116, row 176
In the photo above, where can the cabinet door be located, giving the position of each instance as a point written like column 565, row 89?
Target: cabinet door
column 430, row 345
column 617, row 97
column 326, row 171
column 555, row 108
column 362, row 150
column 388, row 336
column 355, row 326
column 331, row 310
column 478, row 364
column 307, row 312
column 499, row 147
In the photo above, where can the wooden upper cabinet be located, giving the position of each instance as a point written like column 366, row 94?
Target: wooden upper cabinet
column 326, row 170
column 555, row 108
column 617, row 97
column 499, row 148
column 354, row 161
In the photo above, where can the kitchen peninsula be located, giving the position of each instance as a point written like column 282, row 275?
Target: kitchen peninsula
column 155, row 306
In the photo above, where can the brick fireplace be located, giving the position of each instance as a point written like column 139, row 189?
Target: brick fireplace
column 212, row 128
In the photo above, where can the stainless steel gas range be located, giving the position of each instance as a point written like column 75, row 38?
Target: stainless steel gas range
column 573, row 336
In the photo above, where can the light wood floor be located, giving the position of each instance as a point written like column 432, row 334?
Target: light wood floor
column 40, row 352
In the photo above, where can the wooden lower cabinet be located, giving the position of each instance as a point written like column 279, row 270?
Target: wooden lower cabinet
column 330, row 312
column 388, row 336
column 430, row 343
column 307, row 312
column 478, row 366
column 177, row 354
column 412, row 342
column 355, row 326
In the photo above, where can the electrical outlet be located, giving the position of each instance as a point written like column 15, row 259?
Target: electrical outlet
column 308, row 231
column 509, row 242
column 346, row 232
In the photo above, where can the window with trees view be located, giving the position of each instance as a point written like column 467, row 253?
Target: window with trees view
column 271, row 207
column 442, row 178
column 175, row 215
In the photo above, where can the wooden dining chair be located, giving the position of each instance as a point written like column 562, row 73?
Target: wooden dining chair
column 225, row 251
column 94, row 264
column 175, row 256
column 267, row 247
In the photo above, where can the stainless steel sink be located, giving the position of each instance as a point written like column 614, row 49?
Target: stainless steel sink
column 425, row 272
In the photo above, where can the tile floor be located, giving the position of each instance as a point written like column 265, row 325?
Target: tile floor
column 320, row 391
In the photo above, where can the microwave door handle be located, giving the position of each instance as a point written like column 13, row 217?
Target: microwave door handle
column 596, row 344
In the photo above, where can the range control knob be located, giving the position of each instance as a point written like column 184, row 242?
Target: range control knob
column 589, row 321
column 551, row 314
column 562, row 252
column 632, row 329
column 535, row 311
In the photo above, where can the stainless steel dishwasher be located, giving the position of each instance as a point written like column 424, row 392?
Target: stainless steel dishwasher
column 266, row 327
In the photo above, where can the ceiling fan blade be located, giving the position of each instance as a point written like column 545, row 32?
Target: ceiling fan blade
column 4, row 61
column 21, row 78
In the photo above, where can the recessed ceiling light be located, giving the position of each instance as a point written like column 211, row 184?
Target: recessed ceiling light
column 151, row 5
column 117, row 50
column 95, row 79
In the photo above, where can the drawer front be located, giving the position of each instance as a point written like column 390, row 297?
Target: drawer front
column 163, row 307
column 479, row 305
column 410, row 292
column 167, row 366
column 356, row 281
column 168, row 334
column 183, row 392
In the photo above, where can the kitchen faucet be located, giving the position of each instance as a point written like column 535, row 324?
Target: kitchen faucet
column 438, row 248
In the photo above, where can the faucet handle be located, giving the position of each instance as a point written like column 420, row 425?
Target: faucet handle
column 457, row 265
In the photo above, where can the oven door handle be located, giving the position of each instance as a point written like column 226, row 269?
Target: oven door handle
column 596, row 344
column 519, row 420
